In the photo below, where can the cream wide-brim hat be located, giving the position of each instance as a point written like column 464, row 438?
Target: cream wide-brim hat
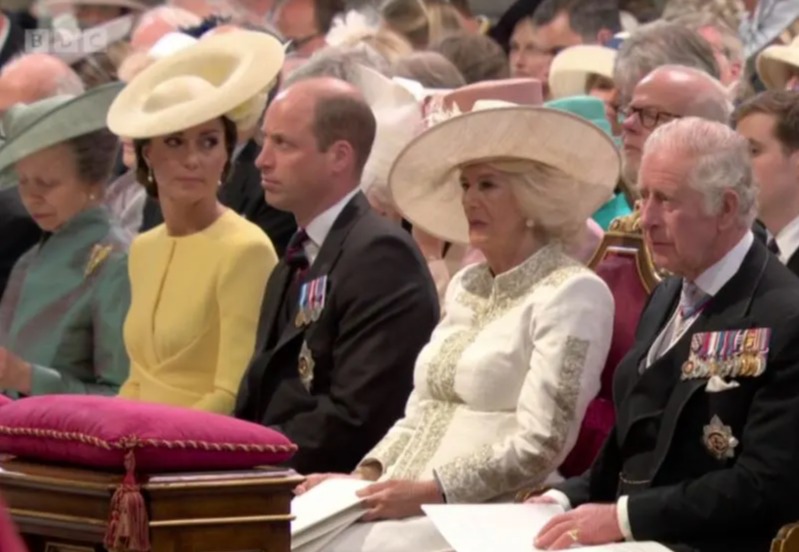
column 210, row 79
column 30, row 128
column 424, row 181
column 571, row 68
column 776, row 63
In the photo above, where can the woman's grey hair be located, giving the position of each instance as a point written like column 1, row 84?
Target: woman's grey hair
column 430, row 69
column 339, row 62
column 719, row 157
column 544, row 194
column 656, row 44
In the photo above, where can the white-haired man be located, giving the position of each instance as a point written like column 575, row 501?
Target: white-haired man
column 667, row 93
column 702, row 456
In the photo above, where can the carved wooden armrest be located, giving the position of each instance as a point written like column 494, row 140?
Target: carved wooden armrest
column 787, row 539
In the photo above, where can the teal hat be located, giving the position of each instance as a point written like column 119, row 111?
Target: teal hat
column 588, row 107
column 29, row 128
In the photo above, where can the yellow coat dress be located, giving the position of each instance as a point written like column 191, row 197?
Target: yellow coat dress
column 196, row 299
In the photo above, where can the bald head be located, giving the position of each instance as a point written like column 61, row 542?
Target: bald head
column 33, row 77
column 691, row 92
column 339, row 111
column 157, row 22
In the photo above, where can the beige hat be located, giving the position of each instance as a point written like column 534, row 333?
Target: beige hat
column 521, row 91
column 217, row 76
column 424, row 181
column 775, row 64
column 569, row 72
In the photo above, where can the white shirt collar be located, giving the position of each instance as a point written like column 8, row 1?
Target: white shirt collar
column 319, row 228
column 788, row 240
column 714, row 278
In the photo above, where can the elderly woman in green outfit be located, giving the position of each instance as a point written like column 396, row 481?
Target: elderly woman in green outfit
column 62, row 312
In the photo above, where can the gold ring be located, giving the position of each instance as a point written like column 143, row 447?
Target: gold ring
column 574, row 534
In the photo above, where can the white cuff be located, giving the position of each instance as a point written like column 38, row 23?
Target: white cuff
column 624, row 519
column 560, row 498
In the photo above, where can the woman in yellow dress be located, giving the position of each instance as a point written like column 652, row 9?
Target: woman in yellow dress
column 198, row 279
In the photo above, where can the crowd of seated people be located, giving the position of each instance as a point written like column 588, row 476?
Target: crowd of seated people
column 375, row 231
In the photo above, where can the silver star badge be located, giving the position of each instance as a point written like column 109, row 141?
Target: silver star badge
column 719, row 440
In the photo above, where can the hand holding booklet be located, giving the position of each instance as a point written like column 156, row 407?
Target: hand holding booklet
column 325, row 511
column 507, row 527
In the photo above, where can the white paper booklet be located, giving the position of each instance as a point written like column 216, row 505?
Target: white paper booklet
column 324, row 512
column 507, row 527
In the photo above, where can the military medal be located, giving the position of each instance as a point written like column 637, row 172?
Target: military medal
column 302, row 317
column 727, row 354
column 718, row 439
column 305, row 366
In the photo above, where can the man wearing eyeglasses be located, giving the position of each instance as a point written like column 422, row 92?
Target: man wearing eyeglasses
column 667, row 93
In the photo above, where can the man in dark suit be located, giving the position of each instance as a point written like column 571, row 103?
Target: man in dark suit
column 12, row 38
column 18, row 233
column 703, row 453
column 351, row 304
column 770, row 121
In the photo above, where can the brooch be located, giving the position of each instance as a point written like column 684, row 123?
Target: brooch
column 718, row 439
column 99, row 254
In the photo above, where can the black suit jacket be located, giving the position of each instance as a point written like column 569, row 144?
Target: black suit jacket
column 693, row 501
column 243, row 193
column 381, row 308
column 793, row 263
column 15, row 41
column 18, row 233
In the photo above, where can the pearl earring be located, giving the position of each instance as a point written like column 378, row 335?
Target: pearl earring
column 150, row 177
column 529, row 223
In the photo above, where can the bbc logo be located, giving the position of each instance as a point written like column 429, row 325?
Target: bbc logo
column 64, row 41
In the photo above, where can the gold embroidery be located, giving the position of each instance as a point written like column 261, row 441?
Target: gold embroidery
column 488, row 298
column 388, row 450
column 486, row 473
column 433, row 424
column 99, row 254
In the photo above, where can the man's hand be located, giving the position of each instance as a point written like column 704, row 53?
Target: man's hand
column 590, row 524
column 398, row 499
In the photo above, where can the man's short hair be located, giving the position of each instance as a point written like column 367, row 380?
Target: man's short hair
column 586, row 17
column 339, row 62
column 783, row 105
column 342, row 117
column 656, row 44
column 731, row 44
column 476, row 56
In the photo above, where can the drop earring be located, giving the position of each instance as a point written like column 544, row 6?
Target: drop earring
column 150, row 177
column 529, row 223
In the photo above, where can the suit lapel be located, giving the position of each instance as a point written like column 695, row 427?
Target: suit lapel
column 273, row 299
column 729, row 309
column 793, row 263
column 328, row 256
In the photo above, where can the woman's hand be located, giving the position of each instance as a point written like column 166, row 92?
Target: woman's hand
column 398, row 499
column 314, row 479
column 15, row 373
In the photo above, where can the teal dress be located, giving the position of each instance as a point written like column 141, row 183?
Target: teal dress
column 616, row 207
column 64, row 306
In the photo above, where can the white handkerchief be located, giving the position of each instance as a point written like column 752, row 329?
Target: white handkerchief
column 716, row 384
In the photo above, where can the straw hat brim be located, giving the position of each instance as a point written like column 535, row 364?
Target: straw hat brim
column 424, row 181
column 774, row 65
column 81, row 115
column 569, row 72
column 239, row 64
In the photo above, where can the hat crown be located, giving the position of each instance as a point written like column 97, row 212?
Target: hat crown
column 176, row 91
column 21, row 116
column 587, row 107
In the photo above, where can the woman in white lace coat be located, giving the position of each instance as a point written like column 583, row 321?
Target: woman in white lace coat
column 501, row 389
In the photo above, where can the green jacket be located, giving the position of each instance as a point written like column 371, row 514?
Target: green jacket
column 64, row 307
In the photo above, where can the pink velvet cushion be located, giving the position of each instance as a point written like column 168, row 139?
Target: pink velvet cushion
column 98, row 432
column 4, row 400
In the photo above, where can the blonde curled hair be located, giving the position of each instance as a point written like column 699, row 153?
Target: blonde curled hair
column 543, row 193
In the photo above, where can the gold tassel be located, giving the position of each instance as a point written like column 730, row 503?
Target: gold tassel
column 128, row 526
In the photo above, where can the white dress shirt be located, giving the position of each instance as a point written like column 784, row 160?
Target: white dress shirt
column 319, row 228
column 788, row 240
column 710, row 281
